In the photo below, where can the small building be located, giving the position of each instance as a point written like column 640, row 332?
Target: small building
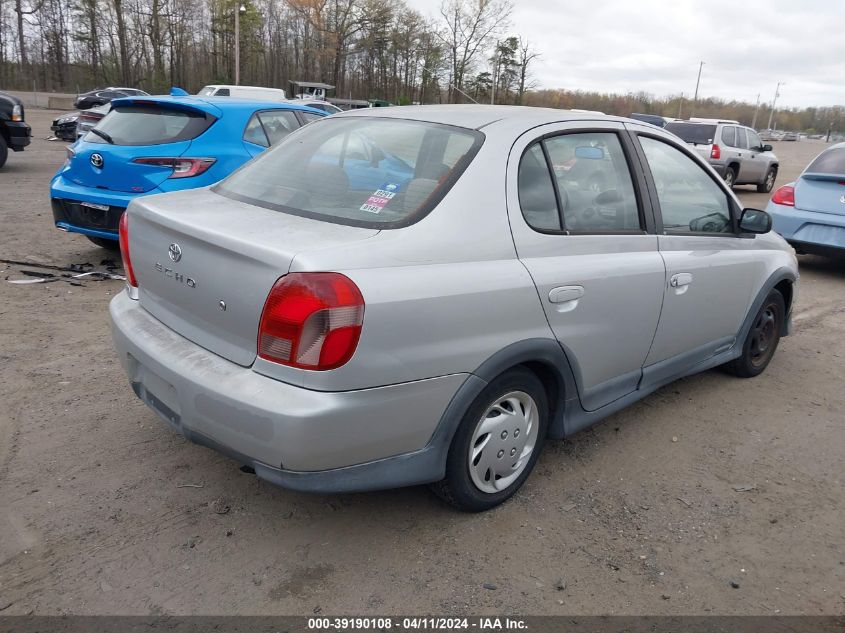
column 310, row 89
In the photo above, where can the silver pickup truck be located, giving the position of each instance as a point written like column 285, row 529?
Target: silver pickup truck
column 734, row 151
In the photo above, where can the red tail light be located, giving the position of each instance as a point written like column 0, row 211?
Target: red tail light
column 785, row 196
column 182, row 167
column 715, row 152
column 311, row 321
column 123, row 234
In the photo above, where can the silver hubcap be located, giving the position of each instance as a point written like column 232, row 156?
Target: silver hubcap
column 770, row 180
column 503, row 441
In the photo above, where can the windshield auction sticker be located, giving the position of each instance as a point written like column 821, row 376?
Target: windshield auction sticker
column 379, row 199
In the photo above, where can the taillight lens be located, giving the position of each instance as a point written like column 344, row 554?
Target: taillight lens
column 182, row 167
column 715, row 152
column 311, row 321
column 785, row 196
column 123, row 234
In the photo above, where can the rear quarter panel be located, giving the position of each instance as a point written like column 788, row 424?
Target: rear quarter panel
column 442, row 295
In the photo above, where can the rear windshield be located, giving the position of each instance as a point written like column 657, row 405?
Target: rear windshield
column 149, row 125
column 697, row 133
column 831, row 161
column 372, row 172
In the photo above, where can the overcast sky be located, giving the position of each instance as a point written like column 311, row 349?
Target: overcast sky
column 655, row 45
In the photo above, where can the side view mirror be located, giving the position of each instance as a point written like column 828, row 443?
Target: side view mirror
column 755, row 221
column 767, row 148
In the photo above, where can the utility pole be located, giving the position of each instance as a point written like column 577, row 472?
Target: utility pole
column 756, row 108
column 697, row 82
column 774, row 101
column 238, row 10
column 495, row 73
column 680, row 104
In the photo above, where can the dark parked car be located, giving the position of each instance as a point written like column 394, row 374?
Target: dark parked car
column 104, row 95
column 14, row 132
column 653, row 119
column 65, row 126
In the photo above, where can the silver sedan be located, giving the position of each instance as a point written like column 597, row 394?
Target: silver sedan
column 427, row 294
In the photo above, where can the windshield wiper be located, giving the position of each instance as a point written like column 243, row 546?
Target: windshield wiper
column 103, row 135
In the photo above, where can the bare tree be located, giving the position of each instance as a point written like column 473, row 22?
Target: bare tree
column 470, row 25
column 526, row 56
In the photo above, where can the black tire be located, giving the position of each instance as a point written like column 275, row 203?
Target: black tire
column 769, row 182
column 762, row 339
column 4, row 151
column 730, row 177
column 458, row 488
column 111, row 245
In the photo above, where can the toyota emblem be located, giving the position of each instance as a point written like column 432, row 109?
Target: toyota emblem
column 175, row 252
column 97, row 160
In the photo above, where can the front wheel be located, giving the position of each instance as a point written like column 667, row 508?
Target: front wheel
column 768, row 184
column 762, row 339
column 4, row 151
column 497, row 443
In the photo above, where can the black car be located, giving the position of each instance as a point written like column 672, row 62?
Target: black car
column 65, row 126
column 14, row 131
column 104, row 95
column 653, row 119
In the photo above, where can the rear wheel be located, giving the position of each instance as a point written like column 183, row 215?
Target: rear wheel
column 497, row 443
column 730, row 176
column 4, row 151
column 768, row 184
column 762, row 339
column 112, row 245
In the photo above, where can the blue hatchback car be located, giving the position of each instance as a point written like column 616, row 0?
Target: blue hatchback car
column 148, row 145
column 810, row 212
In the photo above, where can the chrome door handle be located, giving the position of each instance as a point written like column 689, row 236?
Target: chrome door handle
column 563, row 294
column 680, row 279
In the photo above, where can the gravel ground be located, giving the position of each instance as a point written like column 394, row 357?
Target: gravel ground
column 713, row 495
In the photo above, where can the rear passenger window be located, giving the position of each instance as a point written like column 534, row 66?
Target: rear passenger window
column 308, row 117
column 278, row 124
column 741, row 141
column 222, row 92
column 254, row 132
column 536, row 191
column 268, row 128
column 729, row 135
column 594, row 184
column 690, row 201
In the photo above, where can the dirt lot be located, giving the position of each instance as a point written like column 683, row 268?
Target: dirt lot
column 104, row 510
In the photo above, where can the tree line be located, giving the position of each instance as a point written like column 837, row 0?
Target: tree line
column 366, row 48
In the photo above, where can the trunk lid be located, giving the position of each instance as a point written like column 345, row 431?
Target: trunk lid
column 117, row 172
column 822, row 193
column 228, row 255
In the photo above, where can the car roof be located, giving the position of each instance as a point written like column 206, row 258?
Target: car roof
column 478, row 116
column 215, row 105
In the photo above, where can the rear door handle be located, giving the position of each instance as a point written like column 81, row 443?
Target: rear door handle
column 563, row 294
column 680, row 279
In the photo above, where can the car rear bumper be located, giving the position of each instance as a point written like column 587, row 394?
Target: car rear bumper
column 19, row 135
column 71, row 215
column 719, row 168
column 809, row 231
column 298, row 438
